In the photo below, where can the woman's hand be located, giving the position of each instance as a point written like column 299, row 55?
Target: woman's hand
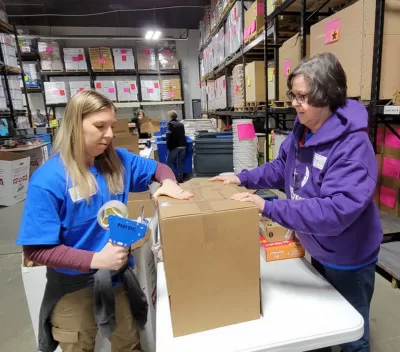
column 252, row 198
column 171, row 189
column 111, row 257
column 227, row 180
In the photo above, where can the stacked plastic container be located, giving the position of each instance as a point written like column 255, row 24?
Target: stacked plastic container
column 245, row 145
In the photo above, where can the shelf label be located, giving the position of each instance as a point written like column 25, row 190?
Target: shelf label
column 391, row 110
column 332, row 31
column 286, row 68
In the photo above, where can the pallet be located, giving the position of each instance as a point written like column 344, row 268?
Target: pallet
column 104, row 70
column 239, row 109
column 13, row 69
column 389, row 262
column 51, row 71
column 281, row 104
column 396, row 98
column 73, row 71
column 255, row 106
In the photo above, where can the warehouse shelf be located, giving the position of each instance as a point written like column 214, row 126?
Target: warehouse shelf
column 133, row 104
column 64, row 73
column 156, row 103
column 159, row 73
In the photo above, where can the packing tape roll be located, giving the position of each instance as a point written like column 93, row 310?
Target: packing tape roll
column 112, row 207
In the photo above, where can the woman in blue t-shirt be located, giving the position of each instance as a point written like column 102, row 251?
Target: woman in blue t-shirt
column 90, row 285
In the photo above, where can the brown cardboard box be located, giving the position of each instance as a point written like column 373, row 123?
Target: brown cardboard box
column 129, row 142
column 271, row 231
column 139, row 196
column 135, row 208
column 254, row 16
column 255, row 82
column 391, row 143
column 211, row 257
column 272, row 251
column 380, row 138
column 389, row 198
column 289, row 58
column 354, row 48
column 150, row 125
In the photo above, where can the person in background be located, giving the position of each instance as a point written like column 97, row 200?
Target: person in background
column 90, row 284
column 329, row 171
column 137, row 120
column 176, row 145
column 40, row 120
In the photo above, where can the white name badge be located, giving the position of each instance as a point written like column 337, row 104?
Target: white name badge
column 319, row 161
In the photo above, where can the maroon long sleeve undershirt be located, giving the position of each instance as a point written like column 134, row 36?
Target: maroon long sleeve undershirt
column 64, row 257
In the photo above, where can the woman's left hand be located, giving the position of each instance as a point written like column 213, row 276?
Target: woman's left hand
column 173, row 190
column 252, row 198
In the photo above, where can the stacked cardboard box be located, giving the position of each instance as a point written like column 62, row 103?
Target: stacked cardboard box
column 123, row 139
column 255, row 82
column 219, row 48
column 205, row 26
column 55, row 92
column 168, row 57
column 101, row 59
column 50, row 56
column 238, row 88
column 124, row 59
column 171, row 89
column 147, row 60
column 78, row 86
column 223, row 88
column 349, row 34
column 211, row 95
column 15, row 92
column 289, row 58
column 26, row 45
column 390, row 179
column 107, row 88
column 253, row 20
column 217, row 267
column 31, row 75
column 150, row 89
column 9, row 49
column 74, row 59
column 233, row 30
column 277, row 243
column 127, row 90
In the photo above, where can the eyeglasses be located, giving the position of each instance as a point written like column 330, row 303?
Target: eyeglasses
column 300, row 98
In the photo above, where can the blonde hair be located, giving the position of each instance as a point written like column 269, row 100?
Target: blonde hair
column 70, row 144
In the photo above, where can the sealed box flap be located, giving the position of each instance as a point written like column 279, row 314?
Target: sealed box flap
column 209, row 197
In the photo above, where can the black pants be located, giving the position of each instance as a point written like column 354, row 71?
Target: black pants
column 357, row 286
column 175, row 160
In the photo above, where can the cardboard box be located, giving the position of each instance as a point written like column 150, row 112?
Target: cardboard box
column 14, row 176
column 272, row 251
column 146, row 56
column 167, row 56
column 74, row 59
column 272, row 231
column 150, row 125
column 255, row 82
column 78, row 86
column 211, row 258
column 389, row 198
column 101, row 59
column 128, row 142
column 37, row 157
column 135, row 207
column 391, row 144
column 150, row 89
column 107, row 88
column 289, row 58
column 127, row 90
column 133, row 196
column 355, row 26
column 56, row 92
column 379, row 161
column 123, row 59
column 380, row 138
column 253, row 20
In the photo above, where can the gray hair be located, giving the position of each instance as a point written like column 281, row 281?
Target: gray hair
column 327, row 80
column 172, row 114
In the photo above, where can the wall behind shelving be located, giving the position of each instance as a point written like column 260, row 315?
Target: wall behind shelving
column 187, row 51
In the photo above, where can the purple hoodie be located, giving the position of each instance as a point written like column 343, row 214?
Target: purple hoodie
column 330, row 183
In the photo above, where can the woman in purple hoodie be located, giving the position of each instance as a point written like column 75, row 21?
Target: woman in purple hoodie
column 329, row 171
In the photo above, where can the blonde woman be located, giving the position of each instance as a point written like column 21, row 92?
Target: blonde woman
column 89, row 282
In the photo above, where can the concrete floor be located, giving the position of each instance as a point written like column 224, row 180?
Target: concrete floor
column 16, row 334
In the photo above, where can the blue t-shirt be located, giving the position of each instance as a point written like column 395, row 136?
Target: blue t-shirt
column 52, row 214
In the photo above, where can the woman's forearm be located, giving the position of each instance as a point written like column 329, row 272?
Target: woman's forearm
column 60, row 257
column 163, row 172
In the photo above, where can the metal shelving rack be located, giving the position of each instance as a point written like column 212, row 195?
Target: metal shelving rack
column 93, row 75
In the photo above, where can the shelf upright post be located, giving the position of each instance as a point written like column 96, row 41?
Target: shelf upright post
column 376, row 69
column 303, row 29
column 243, row 58
column 267, row 131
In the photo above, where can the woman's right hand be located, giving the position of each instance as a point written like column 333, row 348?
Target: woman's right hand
column 111, row 257
column 227, row 180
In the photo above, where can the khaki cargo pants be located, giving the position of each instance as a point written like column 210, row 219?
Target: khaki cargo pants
column 75, row 329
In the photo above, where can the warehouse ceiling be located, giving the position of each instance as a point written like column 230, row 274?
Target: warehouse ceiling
column 107, row 13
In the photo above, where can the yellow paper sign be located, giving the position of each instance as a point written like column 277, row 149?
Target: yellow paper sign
column 271, row 72
column 248, row 82
column 53, row 123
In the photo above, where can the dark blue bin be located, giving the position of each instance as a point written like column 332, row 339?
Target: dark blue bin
column 163, row 152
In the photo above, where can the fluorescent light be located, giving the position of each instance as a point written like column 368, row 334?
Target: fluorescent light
column 156, row 35
column 149, row 34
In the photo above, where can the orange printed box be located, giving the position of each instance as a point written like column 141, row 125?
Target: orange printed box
column 272, row 251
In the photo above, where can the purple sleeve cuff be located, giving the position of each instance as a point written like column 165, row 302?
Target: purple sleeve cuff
column 267, row 212
column 243, row 179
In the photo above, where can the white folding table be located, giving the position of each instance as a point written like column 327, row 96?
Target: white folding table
column 301, row 311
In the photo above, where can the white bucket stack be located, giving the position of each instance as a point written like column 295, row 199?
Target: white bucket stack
column 244, row 149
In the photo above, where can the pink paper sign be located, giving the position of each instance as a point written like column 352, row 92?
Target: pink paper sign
column 101, row 61
column 80, row 57
column 390, row 138
column 167, row 53
column 133, row 86
column 126, row 90
column 332, row 31
column 391, row 167
column 147, row 51
column 246, row 33
column 123, row 51
column 75, row 58
column 380, row 136
column 235, row 13
column 49, row 49
column 286, row 68
column 260, row 8
column 387, row 196
column 171, row 94
column 150, row 90
column 246, row 131
column 253, row 27
column 111, row 90
column 234, row 29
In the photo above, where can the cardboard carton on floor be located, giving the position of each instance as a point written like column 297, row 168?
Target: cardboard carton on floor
column 211, row 257
column 272, row 251
column 38, row 157
column 14, row 176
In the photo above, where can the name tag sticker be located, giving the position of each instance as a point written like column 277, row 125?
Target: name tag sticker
column 319, row 161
